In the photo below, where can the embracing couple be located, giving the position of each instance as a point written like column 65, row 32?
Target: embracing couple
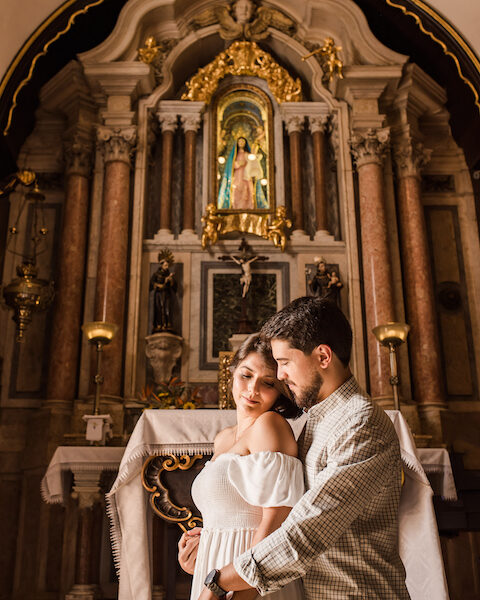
column 314, row 520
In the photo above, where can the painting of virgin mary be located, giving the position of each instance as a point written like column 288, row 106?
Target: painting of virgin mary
column 242, row 144
column 240, row 185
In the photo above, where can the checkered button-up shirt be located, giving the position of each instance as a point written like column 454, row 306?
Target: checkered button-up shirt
column 342, row 535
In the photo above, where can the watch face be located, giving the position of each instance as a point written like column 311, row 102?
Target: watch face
column 211, row 577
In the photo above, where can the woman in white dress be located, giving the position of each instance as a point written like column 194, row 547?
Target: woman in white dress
column 254, row 478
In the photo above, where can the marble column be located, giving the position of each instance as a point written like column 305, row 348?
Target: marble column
column 190, row 124
column 87, row 491
column 294, row 125
column 117, row 145
column 66, row 332
column 317, row 128
column 369, row 151
column 423, row 338
column 168, row 124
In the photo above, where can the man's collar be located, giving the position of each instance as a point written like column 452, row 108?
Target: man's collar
column 342, row 393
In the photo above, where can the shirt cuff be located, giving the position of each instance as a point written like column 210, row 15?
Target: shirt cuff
column 246, row 566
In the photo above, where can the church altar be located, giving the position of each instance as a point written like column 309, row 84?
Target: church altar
column 161, row 432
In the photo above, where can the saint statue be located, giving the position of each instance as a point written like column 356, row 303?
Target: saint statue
column 324, row 283
column 164, row 288
column 240, row 187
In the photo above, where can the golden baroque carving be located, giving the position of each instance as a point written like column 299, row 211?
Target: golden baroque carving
column 243, row 58
column 270, row 227
column 276, row 229
column 160, row 500
column 243, row 19
column 329, row 61
column 154, row 54
column 225, row 398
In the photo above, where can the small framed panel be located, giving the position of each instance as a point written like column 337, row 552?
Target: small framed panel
column 242, row 151
column 221, row 303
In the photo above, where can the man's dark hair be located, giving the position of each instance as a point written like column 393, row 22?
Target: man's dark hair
column 308, row 322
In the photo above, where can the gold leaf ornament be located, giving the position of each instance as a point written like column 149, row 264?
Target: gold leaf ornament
column 243, row 58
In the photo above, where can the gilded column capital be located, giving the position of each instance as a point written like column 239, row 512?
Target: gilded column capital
column 168, row 121
column 117, row 144
column 294, row 123
column 191, row 122
column 410, row 157
column 370, row 147
column 78, row 158
column 318, row 123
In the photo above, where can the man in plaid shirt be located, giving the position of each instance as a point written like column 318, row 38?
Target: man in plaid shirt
column 342, row 535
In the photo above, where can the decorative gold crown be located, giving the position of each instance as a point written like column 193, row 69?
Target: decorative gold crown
column 166, row 254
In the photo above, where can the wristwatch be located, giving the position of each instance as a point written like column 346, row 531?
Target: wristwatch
column 211, row 583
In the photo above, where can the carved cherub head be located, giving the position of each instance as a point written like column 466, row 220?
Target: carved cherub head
column 242, row 9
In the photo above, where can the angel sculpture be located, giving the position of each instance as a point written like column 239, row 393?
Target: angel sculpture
column 236, row 21
column 329, row 61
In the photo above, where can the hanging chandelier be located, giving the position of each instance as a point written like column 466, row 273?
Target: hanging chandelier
column 27, row 294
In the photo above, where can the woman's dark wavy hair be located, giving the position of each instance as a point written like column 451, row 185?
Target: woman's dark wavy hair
column 284, row 404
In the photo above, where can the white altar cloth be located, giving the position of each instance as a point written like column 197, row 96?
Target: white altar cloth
column 437, row 461
column 76, row 459
column 160, row 432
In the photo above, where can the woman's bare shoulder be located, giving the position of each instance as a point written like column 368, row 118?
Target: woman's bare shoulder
column 272, row 432
column 222, row 437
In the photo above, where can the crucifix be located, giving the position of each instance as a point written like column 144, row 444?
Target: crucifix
column 244, row 259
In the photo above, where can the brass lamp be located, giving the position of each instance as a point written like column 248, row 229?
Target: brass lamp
column 392, row 335
column 27, row 293
column 99, row 334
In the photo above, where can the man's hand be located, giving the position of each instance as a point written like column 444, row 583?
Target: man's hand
column 188, row 548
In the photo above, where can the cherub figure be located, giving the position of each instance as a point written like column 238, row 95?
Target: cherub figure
column 331, row 64
column 211, row 226
column 149, row 52
column 276, row 228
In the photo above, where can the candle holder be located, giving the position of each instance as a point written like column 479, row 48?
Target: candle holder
column 99, row 334
column 391, row 335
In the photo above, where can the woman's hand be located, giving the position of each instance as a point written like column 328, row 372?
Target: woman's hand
column 188, row 548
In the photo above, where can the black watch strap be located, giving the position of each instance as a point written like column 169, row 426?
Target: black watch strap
column 211, row 583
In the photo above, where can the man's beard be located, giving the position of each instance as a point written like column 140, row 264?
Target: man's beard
column 308, row 396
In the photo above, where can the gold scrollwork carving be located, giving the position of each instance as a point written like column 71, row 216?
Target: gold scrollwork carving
column 329, row 61
column 160, row 499
column 270, row 227
column 225, row 398
column 243, row 58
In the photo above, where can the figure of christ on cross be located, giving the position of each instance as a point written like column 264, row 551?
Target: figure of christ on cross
column 244, row 259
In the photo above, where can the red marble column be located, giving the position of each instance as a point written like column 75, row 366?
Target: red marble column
column 168, row 124
column 317, row 127
column 294, row 126
column 417, row 274
column 190, row 124
column 110, row 290
column 368, row 151
column 66, row 332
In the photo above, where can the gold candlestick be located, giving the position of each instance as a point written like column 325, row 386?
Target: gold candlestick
column 392, row 335
column 99, row 334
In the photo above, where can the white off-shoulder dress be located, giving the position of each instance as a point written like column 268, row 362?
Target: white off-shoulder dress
column 230, row 493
